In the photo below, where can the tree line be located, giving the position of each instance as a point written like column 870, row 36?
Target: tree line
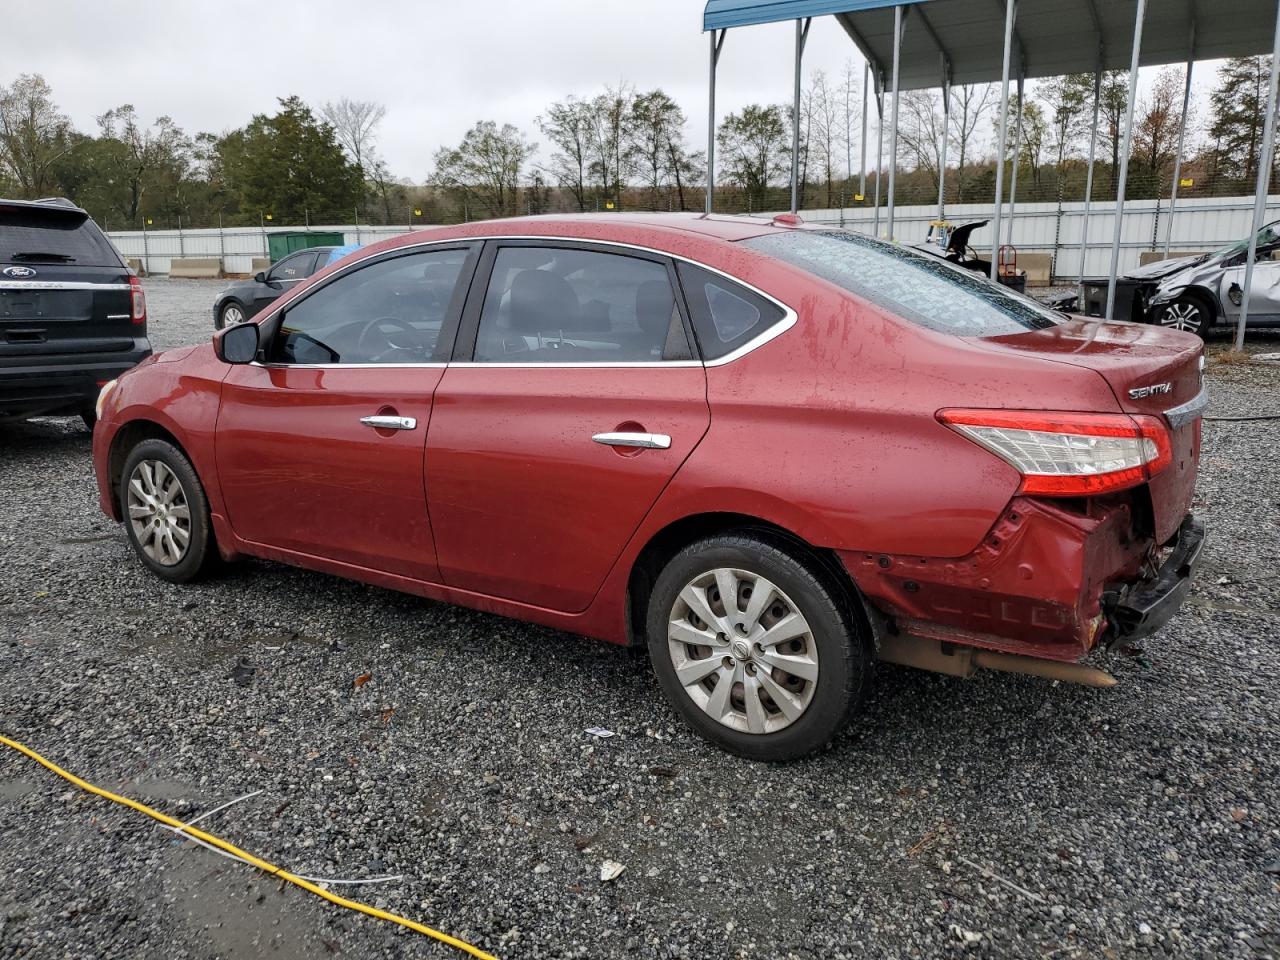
column 625, row 148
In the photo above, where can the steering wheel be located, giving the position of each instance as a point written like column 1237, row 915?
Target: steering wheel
column 398, row 325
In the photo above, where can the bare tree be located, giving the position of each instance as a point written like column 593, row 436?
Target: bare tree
column 33, row 133
column 355, row 124
column 485, row 167
column 568, row 125
column 824, row 121
column 970, row 102
column 608, row 136
column 148, row 150
column 920, row 129
column 1155, row 130
column 657, row 148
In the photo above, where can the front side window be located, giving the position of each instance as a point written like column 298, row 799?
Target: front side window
column 923, row 289
column 390, row 312
column 561, row 305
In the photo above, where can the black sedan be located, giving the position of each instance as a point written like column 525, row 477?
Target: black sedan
column 244, row 298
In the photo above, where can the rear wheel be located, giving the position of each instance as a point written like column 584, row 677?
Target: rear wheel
column 1189, row 313
column 752, row 644
column 166, row 512
column 230, row 314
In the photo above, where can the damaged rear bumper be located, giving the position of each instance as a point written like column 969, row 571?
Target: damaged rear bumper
column 1048, row 582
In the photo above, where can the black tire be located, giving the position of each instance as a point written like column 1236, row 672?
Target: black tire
column 90, row 419
column 843, row 647
column 1190, row 313
column 228, row 307
column 200, row 553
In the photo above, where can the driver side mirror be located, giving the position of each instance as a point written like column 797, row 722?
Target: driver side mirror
column 238, row 344
column 260, row 277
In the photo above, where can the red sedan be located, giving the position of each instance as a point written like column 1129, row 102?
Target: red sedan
column 771, row 452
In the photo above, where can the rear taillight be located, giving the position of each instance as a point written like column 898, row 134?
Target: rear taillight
column 1069, row 454
column 139, row 297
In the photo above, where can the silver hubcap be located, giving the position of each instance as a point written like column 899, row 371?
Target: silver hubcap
column 742, row 651
column 159, row 513
column 1181, row 316
column 231, row 316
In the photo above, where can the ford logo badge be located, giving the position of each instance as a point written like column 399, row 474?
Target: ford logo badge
column 19, row 273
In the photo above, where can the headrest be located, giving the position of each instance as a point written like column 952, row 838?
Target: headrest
column 541, row 302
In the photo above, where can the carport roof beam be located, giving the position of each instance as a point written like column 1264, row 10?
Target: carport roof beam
column 1054, row 37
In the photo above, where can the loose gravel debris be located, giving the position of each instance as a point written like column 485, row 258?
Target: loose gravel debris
column 1143, row 820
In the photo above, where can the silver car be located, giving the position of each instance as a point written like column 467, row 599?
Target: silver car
column 1195, row 293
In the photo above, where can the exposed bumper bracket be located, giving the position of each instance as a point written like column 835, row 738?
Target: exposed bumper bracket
column 1139, row 609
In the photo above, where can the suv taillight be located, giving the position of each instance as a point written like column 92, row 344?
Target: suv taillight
column 139, row 297
column 1069, row 454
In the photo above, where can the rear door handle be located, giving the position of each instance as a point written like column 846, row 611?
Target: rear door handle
column 381, row 422
column 647, row 441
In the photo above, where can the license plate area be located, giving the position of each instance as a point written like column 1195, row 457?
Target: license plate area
column 46, row 305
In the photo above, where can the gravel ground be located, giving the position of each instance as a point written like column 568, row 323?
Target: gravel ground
column 1141, row 821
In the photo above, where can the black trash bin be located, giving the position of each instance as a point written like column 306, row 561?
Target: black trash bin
column 1128, row 306
column 1016, row 282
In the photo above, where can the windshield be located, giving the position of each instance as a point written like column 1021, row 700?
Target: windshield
column 1268, row 236
column 923, row 289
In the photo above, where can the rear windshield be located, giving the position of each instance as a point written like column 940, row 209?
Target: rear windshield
column 923, row 289
column 39, row 236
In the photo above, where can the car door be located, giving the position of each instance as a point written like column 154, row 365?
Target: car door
column 281, row 277
column 1264, row 289
column 320, row 443
column 572, row 400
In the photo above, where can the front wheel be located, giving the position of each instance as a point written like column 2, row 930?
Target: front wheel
column 753, row 646
column 166, row 512
column 1188, row 313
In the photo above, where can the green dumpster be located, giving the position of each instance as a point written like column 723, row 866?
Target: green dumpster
column 284, row 243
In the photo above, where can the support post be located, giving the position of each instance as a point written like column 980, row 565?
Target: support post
column 899, row 15
column 802, row 34
column 717, row 41
column 1124, row 158
column 875, row 226
column 1264, row 182
column 862, row 168
column 942, row 151
column 1017, row 157
column 1182, row 134
column 1002, row 138
column 146, row 251
column 1088, row 180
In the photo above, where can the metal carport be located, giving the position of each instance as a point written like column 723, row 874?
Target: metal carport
column 936, row 43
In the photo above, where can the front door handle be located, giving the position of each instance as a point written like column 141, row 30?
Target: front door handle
column 646, row 441
column 381, row 422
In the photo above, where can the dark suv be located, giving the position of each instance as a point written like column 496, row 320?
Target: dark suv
column 72, row 314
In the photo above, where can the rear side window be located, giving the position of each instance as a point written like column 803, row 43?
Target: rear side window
column 726, row 315
column 551, row 304
column 299, row 266
column 388, row 312
column 37, row 236
column 923, row 289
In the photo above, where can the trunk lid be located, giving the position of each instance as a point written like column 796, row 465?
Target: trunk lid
column 63, row 287
column 1150, row 371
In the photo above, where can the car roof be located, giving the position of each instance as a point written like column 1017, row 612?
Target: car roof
column 592, row 225
column 51, row 205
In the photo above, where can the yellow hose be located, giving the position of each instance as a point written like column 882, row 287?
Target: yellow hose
column 249, row 858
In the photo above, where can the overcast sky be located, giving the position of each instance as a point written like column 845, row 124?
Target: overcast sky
column 437, row 66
